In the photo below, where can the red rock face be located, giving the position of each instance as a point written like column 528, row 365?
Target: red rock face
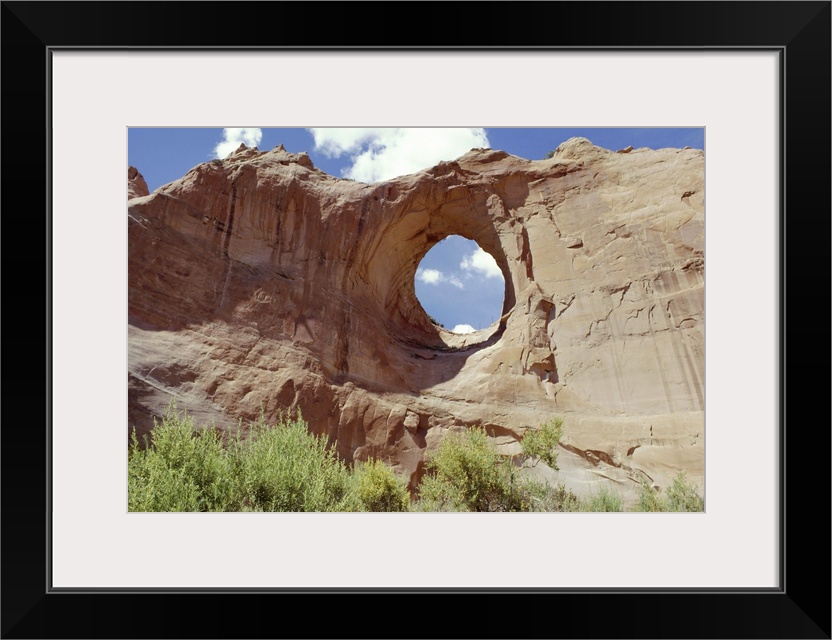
column 260, row 283
column 136, row 186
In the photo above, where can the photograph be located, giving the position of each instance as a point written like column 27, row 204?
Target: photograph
column 416, row 319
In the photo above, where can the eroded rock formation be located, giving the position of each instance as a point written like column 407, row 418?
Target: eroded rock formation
column 136, row 185
column 260, row 282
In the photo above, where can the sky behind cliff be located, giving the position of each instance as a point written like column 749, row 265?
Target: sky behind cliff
column 457, row 283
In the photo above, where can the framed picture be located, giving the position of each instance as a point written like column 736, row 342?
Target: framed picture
column 756, row 76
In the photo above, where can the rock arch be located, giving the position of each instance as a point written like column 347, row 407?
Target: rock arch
column 260, row 281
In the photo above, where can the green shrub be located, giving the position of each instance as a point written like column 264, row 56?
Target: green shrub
column 151, row 486
column 182, row 470
column 377, row 488
column 650, row 499
column 280, row 468
column 542, row 443
column 467, row 474
column 682, row 496
column 542, row 496
column 286, row 468
column 604, row 500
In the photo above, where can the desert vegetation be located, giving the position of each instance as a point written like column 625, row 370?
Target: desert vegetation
column 285, row 467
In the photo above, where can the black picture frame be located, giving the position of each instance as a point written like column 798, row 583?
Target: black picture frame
column 799, row 608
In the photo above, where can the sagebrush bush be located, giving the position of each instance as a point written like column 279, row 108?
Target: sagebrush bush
column 542, row 496
column 542, row 443
column 284, row 467
column 603, row 500
column 681, row 495
column 287, row 468
column 182, row 470
column 467, row 474
column 377, row 488
column 280, row 468
column 650, row 499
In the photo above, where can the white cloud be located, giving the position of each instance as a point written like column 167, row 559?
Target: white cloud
column 381, row 154
column 336, row 142
column 429, row 276
column 463, row 328
column 232, row 138
column 434, row 276
column 482, row 263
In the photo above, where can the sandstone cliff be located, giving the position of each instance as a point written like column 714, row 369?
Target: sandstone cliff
column 136, row 185
column 261, row 282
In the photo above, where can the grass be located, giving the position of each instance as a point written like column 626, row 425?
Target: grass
column 284, row 467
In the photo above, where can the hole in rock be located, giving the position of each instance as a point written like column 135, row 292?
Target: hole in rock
column 460, row 286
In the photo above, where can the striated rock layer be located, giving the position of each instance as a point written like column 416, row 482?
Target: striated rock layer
column 261, row 283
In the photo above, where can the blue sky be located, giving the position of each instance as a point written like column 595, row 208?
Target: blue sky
column 457, row 283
